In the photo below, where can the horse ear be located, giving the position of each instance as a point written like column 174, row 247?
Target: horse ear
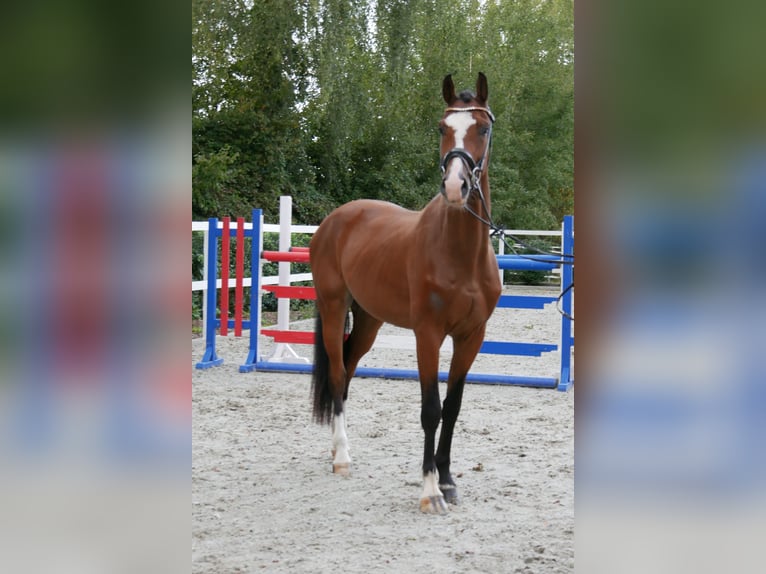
column 448, row 89
column 482, row 91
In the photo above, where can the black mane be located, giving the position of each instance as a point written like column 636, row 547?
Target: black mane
column 466, row 96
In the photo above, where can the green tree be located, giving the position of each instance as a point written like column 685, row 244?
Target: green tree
column 333, row 100
column 531, row 43
column 248, row 69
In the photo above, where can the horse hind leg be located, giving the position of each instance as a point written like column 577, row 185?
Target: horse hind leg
column 360, row 340
column 329, row 381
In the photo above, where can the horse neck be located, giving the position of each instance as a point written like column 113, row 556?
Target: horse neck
column 477, row 205
column 459, row 232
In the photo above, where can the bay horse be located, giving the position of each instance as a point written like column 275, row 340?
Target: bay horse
column 432, row 271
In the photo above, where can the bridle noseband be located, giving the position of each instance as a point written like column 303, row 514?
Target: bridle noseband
column 475, row 168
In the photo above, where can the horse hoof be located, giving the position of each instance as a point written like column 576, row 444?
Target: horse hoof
column 433, row 505
column 450, row 494
column 343, row 468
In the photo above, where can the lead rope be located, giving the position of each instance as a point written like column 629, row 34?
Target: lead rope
column 497, row 231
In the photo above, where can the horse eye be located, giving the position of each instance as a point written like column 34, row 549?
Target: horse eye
column 441, row 130
column 483, row 131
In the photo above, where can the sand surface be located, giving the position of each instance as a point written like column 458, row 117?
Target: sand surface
column 264, row 498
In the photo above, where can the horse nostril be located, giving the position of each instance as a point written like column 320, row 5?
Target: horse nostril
column 464, row 188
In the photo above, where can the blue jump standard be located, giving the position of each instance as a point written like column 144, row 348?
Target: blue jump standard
column 210, row 358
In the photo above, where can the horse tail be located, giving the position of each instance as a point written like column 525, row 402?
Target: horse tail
column 320, row 380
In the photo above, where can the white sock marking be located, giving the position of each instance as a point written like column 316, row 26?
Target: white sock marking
column 340, row 440
column 431, row 485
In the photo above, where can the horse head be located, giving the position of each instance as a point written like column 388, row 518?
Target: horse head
column 466, row 131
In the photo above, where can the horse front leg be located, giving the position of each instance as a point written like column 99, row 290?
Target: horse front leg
column 431, row 500
column 464, row 353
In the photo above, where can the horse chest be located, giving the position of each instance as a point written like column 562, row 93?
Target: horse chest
column 460, row 305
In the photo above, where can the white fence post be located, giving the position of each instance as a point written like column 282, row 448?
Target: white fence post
column 283, row 351
column 285, row 240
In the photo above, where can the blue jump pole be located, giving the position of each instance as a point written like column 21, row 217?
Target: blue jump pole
column 256, row 247
column 412, row 374
column 528, row 262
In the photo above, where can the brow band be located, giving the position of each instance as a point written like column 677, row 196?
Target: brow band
column 473, row 109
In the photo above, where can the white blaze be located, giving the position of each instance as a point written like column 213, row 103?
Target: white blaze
column 460, row 122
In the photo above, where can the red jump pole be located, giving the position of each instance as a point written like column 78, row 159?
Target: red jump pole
column 240, row 273
column 291, row 256
column 224, row 328
column 291, row 291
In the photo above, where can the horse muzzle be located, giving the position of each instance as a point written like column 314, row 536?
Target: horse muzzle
column 457, row 181
column 455, row 190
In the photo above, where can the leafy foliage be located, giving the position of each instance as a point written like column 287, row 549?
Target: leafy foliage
column 333, row 100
